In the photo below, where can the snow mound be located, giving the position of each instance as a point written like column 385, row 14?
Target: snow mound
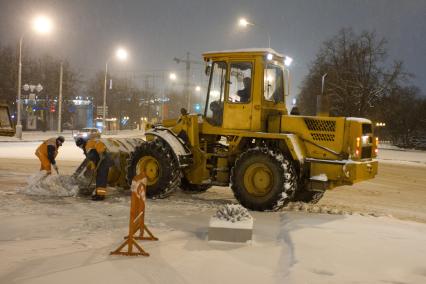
column 51, row 185
column 233, row 213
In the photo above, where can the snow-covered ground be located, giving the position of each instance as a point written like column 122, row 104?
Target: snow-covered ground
column 68, row 240
column 11, row 147
column 402, row 156
column 48, row 239
column 25, row 150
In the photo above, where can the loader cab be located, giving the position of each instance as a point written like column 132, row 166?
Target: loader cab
column 245, row 87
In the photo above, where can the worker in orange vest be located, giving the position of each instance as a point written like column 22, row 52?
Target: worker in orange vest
column 47, row 152
column 95, row 151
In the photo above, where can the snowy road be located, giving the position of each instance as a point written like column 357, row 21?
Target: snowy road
column 67, row 240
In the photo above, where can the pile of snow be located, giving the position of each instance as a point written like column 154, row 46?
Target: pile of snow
column 232, row 213
column 51, row 185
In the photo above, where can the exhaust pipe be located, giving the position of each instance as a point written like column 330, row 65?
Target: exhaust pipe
column 323, row 103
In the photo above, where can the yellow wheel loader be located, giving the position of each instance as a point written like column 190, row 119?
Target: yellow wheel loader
column 247, row 139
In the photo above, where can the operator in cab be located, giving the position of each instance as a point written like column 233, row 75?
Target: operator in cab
column 95, row 151
column 47, row 152
column 244, row 94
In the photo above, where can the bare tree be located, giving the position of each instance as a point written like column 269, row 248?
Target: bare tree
column 404, row 112
column 123, row 97
column 357, row 76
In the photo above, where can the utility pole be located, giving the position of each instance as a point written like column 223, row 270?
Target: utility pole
column 60, row 98
column 188, row 63
column 104, row 104
column 148, row 95
column 186, row 86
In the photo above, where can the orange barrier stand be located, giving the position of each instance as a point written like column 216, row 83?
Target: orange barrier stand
column 137, row 220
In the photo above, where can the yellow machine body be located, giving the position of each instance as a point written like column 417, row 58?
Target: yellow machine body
column 320, row 146
column 246, row 138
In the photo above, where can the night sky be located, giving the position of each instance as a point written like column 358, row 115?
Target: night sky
column 156, row 31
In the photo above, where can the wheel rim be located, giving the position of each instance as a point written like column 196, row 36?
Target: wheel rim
column 258, row 179
column 151, row 167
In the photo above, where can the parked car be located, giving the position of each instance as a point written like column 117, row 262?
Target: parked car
column 87, row 133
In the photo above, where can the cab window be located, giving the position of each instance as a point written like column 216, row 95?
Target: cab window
column 216, row 94
column 273, row 87
column 240, row 82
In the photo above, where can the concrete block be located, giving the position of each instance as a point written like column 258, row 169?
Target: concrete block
column 226, row 231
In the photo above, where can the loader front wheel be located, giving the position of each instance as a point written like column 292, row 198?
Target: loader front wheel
column 263, row 179
column 156, row 159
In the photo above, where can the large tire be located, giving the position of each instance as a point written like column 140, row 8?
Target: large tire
column 193, row 188
column 263, row 179
column 160, row 166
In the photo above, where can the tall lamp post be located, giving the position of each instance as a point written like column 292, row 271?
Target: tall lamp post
column 242, row 22
column 61, row 72
column 121, row 54
column 41, row 25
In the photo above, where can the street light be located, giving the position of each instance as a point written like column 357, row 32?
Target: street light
column 242, row 22
column 197, row 88
column 121, row 54
column 172, row 76
column 41, row 25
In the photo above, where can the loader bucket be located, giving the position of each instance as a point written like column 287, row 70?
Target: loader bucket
column 119, row 150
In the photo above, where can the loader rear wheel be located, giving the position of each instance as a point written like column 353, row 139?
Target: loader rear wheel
column 263, row 179
column 160, row 166
column 193, row 188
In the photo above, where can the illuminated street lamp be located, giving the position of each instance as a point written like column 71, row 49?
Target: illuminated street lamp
column 121, row 54
column 172, row 76
column 41, row 25
column 197, row 88
column 242, row 22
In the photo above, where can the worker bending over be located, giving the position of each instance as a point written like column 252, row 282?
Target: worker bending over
column 47, row 152
column 95, row 151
